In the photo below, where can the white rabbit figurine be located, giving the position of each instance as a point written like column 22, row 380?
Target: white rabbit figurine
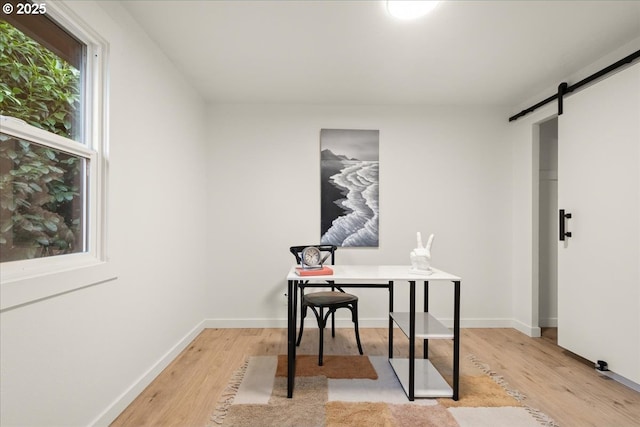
column 421, row 256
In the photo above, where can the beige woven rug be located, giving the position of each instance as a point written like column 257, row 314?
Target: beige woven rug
column 364, row 391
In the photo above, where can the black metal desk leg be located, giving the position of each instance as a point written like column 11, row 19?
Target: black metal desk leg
column 425, row 349
column 456, row 341
column 390, row 320
column 412, row 339
column 291, row 336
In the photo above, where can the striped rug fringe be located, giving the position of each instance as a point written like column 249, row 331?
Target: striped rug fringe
column 541, row 417
column 229, row 393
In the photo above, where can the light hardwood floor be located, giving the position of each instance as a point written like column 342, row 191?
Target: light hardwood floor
column 555, row 381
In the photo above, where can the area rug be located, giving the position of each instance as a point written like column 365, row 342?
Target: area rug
column 364, row 391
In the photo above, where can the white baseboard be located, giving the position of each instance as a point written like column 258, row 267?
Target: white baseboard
column 346, row 323
column 310, row 322
column 531, row 331
column 244, row 323
column 129, row 395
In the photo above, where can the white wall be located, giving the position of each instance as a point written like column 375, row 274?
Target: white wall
column 77, row 358
column 442, row 170
column 200, row 227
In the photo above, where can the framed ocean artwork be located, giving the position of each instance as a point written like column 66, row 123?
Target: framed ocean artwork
column 349, row 176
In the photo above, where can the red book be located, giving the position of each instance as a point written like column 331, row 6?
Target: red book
column 324, row 271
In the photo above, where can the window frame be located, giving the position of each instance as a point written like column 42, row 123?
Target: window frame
column 26, row 281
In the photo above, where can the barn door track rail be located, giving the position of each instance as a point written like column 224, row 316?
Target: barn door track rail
column 564, row 88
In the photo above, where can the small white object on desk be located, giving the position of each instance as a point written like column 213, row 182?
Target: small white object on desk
column 421, row 256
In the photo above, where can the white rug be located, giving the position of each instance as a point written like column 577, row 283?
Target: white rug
column 386, row 388
column 256, row 389
column 494, row 417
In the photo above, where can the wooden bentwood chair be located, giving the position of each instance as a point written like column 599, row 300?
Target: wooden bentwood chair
column 319, row 301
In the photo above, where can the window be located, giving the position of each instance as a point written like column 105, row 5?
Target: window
column 43, row 197
column 52, row 156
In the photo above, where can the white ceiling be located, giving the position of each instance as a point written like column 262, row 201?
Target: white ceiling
column 353, row 52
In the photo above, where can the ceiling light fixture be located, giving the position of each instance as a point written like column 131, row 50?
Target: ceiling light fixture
column 410, row 9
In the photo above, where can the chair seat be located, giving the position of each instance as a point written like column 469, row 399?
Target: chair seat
column 324, row 299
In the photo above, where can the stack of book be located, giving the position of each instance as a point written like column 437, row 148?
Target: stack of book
column 321, row 271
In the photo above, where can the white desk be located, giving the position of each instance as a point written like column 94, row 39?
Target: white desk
column 418, row 379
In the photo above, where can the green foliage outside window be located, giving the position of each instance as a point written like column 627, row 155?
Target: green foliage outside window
column 36, row 85
column 41, row 206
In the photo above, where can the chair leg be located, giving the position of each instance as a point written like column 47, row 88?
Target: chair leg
column 303, row 314
column 321, row 324
column 354, row 312
column 333, row 324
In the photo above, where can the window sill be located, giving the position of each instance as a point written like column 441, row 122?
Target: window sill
column 23, row 289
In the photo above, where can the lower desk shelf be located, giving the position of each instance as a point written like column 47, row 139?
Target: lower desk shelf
column 428, row 381
column 427, row 326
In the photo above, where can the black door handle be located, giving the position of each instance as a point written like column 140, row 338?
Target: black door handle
column 563, row 218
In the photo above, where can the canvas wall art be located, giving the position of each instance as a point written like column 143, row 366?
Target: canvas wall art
column 349, row 175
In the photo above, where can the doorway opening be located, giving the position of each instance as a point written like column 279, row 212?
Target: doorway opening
column 548, row 227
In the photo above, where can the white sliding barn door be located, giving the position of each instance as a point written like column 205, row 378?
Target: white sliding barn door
column 599, row 185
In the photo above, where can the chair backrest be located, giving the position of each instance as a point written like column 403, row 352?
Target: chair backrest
column 324, row 251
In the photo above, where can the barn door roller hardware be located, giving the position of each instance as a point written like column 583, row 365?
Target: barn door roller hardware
column 564, row 88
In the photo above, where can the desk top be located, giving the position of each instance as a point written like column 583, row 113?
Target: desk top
column 374, row 273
